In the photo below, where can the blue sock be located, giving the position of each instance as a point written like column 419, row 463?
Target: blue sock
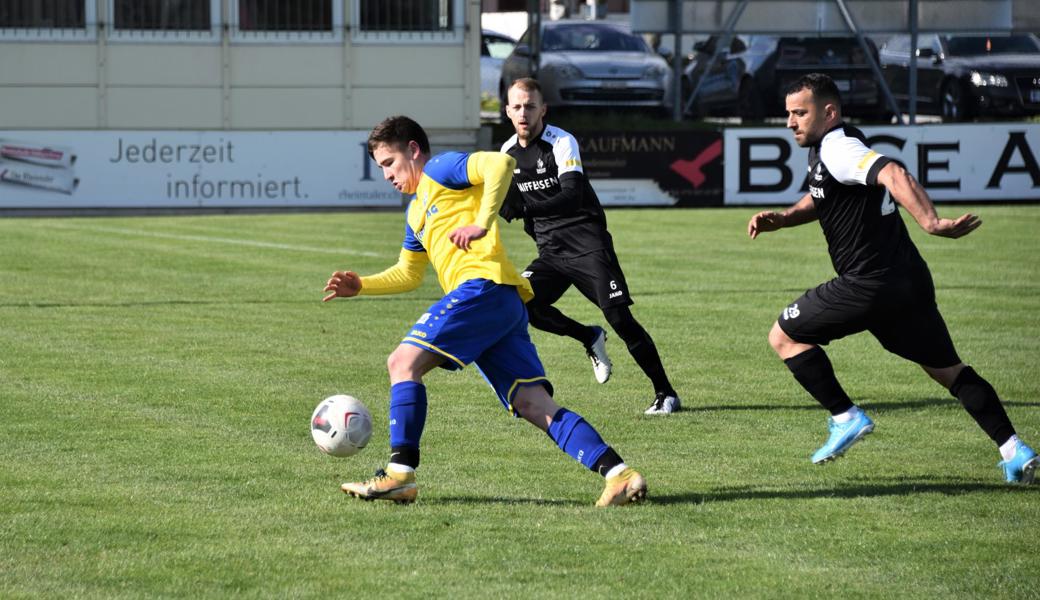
column 577, row 438
column 407, row 419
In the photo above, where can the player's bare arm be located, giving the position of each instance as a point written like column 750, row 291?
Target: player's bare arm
column 910, row 195
column 803, row 211
column 342, row 284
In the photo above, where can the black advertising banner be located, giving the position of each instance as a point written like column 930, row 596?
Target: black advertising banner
column 654, row 168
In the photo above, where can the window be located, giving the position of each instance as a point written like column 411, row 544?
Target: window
column 496, row 46
column 163, row 19
column 49, row 14
column 402, row 20
column 296, row 19
column 50, row 19
column 591, row 38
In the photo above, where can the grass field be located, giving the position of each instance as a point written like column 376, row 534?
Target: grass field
column 157, row 375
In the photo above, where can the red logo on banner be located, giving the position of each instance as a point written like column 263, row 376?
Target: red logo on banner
column 690, row 170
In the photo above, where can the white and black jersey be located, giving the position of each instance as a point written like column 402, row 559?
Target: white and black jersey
column 865, row 234
column 883, row 285
column 560, row 208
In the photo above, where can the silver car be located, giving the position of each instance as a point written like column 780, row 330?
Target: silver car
column 494, row 48
column 591, row 63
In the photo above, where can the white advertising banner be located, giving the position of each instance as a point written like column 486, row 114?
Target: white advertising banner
column 970, row 163
column 189, row 169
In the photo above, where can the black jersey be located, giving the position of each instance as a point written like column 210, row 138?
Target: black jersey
column 564, row 219
column 865, row 234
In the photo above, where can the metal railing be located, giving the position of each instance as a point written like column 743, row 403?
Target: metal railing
column 42, row 14
column 283, row 16
column 406, row 15
column 381, row 21
column 162, row 15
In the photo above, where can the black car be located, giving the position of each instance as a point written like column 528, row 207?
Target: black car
column 749, row 78
column 961, row 77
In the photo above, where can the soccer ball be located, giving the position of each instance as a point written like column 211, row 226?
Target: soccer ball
column 341, row 425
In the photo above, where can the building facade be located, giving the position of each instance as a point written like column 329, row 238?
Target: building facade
column 239, row 64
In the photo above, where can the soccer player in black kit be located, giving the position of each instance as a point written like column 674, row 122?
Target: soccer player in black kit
column 883, row 285
column 561, row 212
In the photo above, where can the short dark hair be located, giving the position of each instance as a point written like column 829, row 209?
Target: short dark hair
column 528, row 84
column 398, row 131
column 822, row 87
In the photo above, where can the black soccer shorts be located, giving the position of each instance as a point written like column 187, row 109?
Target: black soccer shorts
column 597, row 275
column 899, row 311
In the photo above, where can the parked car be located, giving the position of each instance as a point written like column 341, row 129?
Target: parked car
column 749, row 78
column 591, row 63
column 494, row 48
column 964, row 76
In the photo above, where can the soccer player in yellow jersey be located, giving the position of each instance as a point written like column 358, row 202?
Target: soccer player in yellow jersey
column 451, row 223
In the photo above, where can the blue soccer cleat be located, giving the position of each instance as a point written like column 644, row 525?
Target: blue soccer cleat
column 1022, row 466
column 843, row 436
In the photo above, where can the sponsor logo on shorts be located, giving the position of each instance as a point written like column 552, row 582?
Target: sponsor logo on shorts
column 791, row 312
column 616, row 294
column 527, row 274
column 816, row 192
column 417, row 333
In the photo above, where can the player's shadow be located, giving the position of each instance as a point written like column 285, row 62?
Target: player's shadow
column 213, row 302
column 868, row 489
column 879, row 407
column 742, row 292
column 486, row 500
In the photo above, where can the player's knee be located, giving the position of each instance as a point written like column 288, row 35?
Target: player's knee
column 536, row 314
column 399, row 366
column 779, row 340
column 622, row 321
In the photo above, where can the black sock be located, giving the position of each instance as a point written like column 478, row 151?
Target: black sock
column 641, row 346
column 405, row 455
column 813, row 370
column 982, row 402
column 607, row 461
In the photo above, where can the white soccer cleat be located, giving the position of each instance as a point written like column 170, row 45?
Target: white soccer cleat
column 663, row 404
column 597, row 352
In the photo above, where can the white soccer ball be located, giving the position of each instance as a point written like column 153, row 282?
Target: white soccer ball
column 341, row 425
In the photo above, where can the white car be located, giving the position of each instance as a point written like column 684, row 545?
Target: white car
column 494, row 48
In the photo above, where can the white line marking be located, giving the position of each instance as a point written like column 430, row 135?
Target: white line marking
column 216, row 240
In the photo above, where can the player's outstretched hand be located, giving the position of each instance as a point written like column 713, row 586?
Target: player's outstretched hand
column 962, row 226
column 342, row 284
column 764, row 221
column 464, row 236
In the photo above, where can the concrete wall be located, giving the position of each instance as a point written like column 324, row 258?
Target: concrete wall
column 112, row 82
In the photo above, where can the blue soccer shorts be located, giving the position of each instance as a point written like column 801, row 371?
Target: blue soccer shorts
column 485, row 323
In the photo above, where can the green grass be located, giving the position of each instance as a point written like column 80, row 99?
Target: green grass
column 157, row 375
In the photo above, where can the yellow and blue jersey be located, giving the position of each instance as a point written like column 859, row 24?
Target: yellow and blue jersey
column 482, row 318
column 456, row 189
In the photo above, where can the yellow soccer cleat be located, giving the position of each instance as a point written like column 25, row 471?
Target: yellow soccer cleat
column 624, row 488
column 397, row 487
